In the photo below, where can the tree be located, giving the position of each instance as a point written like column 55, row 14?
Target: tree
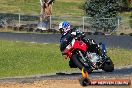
column 100, row 9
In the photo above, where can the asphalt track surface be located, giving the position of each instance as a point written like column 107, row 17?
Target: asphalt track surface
column 118, row 72
column 110, row 41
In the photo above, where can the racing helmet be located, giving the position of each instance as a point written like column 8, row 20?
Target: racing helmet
column 64, row 27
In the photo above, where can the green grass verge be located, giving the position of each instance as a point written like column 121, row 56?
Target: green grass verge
column 20, row 6
column 23, row 58
column 68, row 8
column 60, row 7
column 6, row 30
column 120, row 57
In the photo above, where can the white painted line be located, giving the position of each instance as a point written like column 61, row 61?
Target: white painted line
column 33, row 42
column 57, row 44
column 45, row 43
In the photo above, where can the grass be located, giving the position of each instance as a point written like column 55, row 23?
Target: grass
column 120, row 57
column 23, row 58
column 68, row 8
column 20, row 6
column 6, row 30
column 60, row 7
column 126, row 15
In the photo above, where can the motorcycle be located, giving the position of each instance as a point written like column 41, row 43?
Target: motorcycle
column 90, row 55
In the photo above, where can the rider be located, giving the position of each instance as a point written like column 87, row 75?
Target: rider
column 66, row 31
column 68, row 34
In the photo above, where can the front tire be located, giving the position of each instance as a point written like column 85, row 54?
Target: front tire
column 71, row 64
column 80, row 65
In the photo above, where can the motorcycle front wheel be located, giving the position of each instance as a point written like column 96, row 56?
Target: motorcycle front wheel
column 78, row 62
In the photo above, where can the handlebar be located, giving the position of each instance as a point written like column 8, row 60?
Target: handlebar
column 80, row 36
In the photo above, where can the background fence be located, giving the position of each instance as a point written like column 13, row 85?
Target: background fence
column 88, row 24
column 23, row 22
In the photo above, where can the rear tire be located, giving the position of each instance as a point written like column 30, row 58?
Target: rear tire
column 108, row 66
column 80, row 65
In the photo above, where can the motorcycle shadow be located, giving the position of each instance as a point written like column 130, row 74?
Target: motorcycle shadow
column 76, row 73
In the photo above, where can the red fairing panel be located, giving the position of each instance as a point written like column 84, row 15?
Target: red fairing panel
column 75, row 44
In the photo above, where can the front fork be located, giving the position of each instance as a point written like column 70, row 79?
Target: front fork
column 82, row 56
column 85, row 61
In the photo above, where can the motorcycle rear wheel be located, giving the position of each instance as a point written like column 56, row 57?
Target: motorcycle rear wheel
column 108, row 66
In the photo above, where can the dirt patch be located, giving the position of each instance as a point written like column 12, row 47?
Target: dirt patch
column 54, row 84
